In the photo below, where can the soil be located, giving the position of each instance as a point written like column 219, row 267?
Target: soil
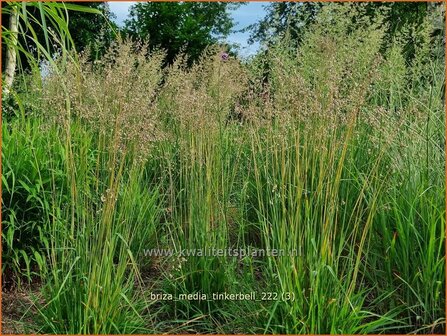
column 16, row 302
column 14, row 305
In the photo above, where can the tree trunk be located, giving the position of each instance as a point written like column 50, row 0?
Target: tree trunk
column 11, row 51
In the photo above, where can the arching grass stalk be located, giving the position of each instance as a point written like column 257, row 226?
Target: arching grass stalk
column 311, row 208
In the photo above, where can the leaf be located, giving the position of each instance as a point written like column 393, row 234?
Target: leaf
column 44, row 24
column 25, row 186
column 10, row 237
column 5, row 183
column 77, row 8
column 39, row 260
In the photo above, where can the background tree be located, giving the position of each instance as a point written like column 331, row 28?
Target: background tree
column 177, row 26
column 92, row 30
column 293, row 18
column 282, row 17
column 406, row 20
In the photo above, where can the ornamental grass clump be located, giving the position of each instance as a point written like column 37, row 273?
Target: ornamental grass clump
column 205, row 94
column 114, row 96
column 105, row 116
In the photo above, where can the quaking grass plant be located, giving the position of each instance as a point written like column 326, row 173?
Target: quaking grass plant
column 91, row 275
column 315, row 200
column 201, row 174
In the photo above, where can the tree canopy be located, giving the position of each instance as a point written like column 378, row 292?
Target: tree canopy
column 180, row 26
column 281, row 17
column 92, row 30
column 295, row 17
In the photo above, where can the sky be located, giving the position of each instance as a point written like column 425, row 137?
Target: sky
column 244, row 16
